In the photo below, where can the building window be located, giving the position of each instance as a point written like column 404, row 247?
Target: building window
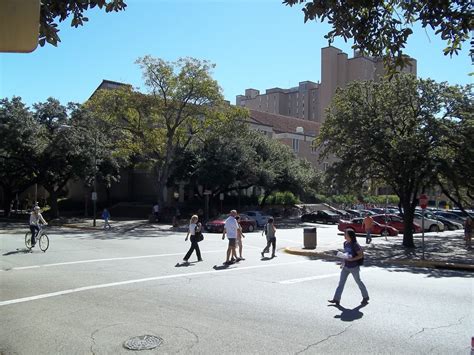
column 296, row 145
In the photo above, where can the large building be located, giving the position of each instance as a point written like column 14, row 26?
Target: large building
column 309, row 100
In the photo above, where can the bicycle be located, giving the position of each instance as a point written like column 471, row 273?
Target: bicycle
column 42, row 240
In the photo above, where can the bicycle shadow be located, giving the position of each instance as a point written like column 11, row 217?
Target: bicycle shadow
column 18, row 251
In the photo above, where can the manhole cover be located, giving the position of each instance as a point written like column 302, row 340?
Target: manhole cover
column 143, row 342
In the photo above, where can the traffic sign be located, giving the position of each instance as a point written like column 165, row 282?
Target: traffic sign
column 423, row 201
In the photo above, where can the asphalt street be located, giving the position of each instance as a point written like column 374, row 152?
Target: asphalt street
column 93, row 290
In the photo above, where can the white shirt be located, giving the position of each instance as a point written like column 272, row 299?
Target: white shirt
column 35, row 219
column 192, row 228
column 231, row 227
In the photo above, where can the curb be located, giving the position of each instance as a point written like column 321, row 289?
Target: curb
column 433, row 264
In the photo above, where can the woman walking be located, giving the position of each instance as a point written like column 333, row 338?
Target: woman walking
column 240, row 235
column 351, row 265
column 194, row 226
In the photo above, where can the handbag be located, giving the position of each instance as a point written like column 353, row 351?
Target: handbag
column 198, row 234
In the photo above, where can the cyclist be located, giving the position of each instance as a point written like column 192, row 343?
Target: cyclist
column 35, row 220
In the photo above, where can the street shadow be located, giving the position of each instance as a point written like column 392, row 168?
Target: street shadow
column 221, row 267
column 185, row 264
column 18, row 251
column 348, row 315
column 267, row 258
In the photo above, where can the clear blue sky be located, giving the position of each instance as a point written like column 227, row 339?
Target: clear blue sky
column 254, row 43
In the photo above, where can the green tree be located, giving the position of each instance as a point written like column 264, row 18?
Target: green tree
column 18, row 149
column 390, row 131
column 232, row 157
column 52, row 10
column 382, row 28
column 183, row 100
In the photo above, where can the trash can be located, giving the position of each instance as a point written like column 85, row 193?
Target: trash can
column 310, row 239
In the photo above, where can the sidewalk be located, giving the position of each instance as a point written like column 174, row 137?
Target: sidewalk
column 444, row 250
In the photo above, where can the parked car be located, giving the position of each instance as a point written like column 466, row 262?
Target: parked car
column 452, row 216
column 449, row 224
column 356, row 225
column 217, row 225
column 354, row 213
column 431, row 225
column 322, row 216
column 260, row 217
column 395, row 222
column 342, row 214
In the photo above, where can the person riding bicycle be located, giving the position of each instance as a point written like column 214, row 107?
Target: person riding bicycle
column 35, row 220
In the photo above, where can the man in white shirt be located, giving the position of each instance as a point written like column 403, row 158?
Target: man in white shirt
column 230, row 228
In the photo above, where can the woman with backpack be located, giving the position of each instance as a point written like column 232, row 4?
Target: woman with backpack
column 351, row 265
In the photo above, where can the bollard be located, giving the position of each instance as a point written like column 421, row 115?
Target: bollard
column 310, row 239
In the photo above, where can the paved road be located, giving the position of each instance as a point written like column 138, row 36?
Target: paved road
column 93, row 290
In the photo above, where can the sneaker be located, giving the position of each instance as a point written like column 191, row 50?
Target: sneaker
column 365, row 301
column 273, row 256
column 200, row 260
column 336, row 302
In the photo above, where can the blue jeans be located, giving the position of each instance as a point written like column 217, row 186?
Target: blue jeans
column 355, row 271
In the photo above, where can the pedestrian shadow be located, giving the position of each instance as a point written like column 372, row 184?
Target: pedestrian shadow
column 220, row 267
column 185, row 264
column 18, row 251
column 348, row 315
column 266, row 258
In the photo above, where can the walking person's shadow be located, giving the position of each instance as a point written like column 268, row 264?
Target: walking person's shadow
column 349, row 315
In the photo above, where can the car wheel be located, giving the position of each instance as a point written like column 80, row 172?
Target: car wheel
column 434, row 228
column 251, row 228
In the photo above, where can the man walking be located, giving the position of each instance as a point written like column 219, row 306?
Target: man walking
column 367, row 224
column 230, row 228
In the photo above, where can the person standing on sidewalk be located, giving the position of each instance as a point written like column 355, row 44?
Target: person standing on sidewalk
column 270, row 231
column 194, row 226
column 468, row 231
column 351, row 266
column 231, row 229
column 368, row 224
column 106, row 217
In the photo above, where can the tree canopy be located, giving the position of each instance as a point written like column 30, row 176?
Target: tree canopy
column 53, row 10
column 182, row 100
column 400, row 132
column 382, row 28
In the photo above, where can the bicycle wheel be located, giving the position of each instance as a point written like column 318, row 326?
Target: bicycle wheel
column 28, row 240
column 44, row 242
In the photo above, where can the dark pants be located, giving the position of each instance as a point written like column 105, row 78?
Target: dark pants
column 194, row 246
column 271, row 241
column 34, row 231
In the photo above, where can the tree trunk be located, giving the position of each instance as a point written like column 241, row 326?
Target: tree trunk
column 53, row 203
column 408, row 214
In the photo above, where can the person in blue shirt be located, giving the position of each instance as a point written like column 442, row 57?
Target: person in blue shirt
column 106, row 217
column 351, row 265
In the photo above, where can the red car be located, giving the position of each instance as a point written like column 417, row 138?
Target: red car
column 356, row 225
column 395, row 222
column 217, row 225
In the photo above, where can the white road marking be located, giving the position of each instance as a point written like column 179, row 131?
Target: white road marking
column 311, row 278
column 102, row 260
column 156, row 278
column 319, row 277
